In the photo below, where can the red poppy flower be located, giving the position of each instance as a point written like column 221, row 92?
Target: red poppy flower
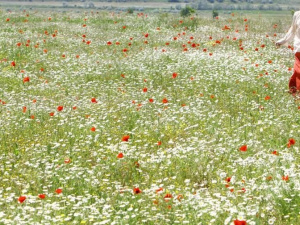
column 151, row 100
column 275, row 153
column 146, row 35
column 226, row 28
column 24, row 109
column 26, row 79
column 22, row 199
column 292, row 141
column 267, row 97
column 269, row 178
column 7, row 19
column 285, row 178
column 67, row 161
column 228, row 179
column 51, row 113
column 13, row 64
column 145, row 89
column 165, row 101
column 174, row 75
column 58, row 191
column 137, row 191
column 159, row 190
column 159, row 143
column 120, row 155
column 93, row 129
column 125, row 138
column 155, row 202
column 93, row 100
column 168, row 196
column 42, row 196
column 243, row 148
column 240, row 222
column 60, row 108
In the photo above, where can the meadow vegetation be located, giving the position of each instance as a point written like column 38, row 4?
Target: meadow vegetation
column 134, row 118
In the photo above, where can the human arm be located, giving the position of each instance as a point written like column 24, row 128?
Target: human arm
column 289, row 36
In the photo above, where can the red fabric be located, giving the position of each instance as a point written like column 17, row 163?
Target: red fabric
column 294, row 83
column 240, row 222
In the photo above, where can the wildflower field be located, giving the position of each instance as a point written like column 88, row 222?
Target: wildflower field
column 117, row 118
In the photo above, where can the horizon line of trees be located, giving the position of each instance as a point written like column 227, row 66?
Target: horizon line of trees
column 224, row 1
column 178, row 1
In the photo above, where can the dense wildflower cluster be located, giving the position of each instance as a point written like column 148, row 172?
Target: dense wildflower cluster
column 116, row 118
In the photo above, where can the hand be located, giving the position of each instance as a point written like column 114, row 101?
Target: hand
column 278, row 44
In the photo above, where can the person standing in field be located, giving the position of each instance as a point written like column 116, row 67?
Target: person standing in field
column 294, row 34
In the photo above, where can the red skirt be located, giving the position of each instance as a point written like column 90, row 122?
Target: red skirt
column 294, row 83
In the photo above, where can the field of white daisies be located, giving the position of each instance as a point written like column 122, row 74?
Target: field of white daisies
column 118, row 118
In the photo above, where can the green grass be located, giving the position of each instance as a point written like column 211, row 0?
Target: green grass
column 185, row 132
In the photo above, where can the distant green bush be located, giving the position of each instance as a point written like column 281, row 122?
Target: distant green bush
column 187, row 11
column 215, row 13
column 293, row 12
column 130, row 10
